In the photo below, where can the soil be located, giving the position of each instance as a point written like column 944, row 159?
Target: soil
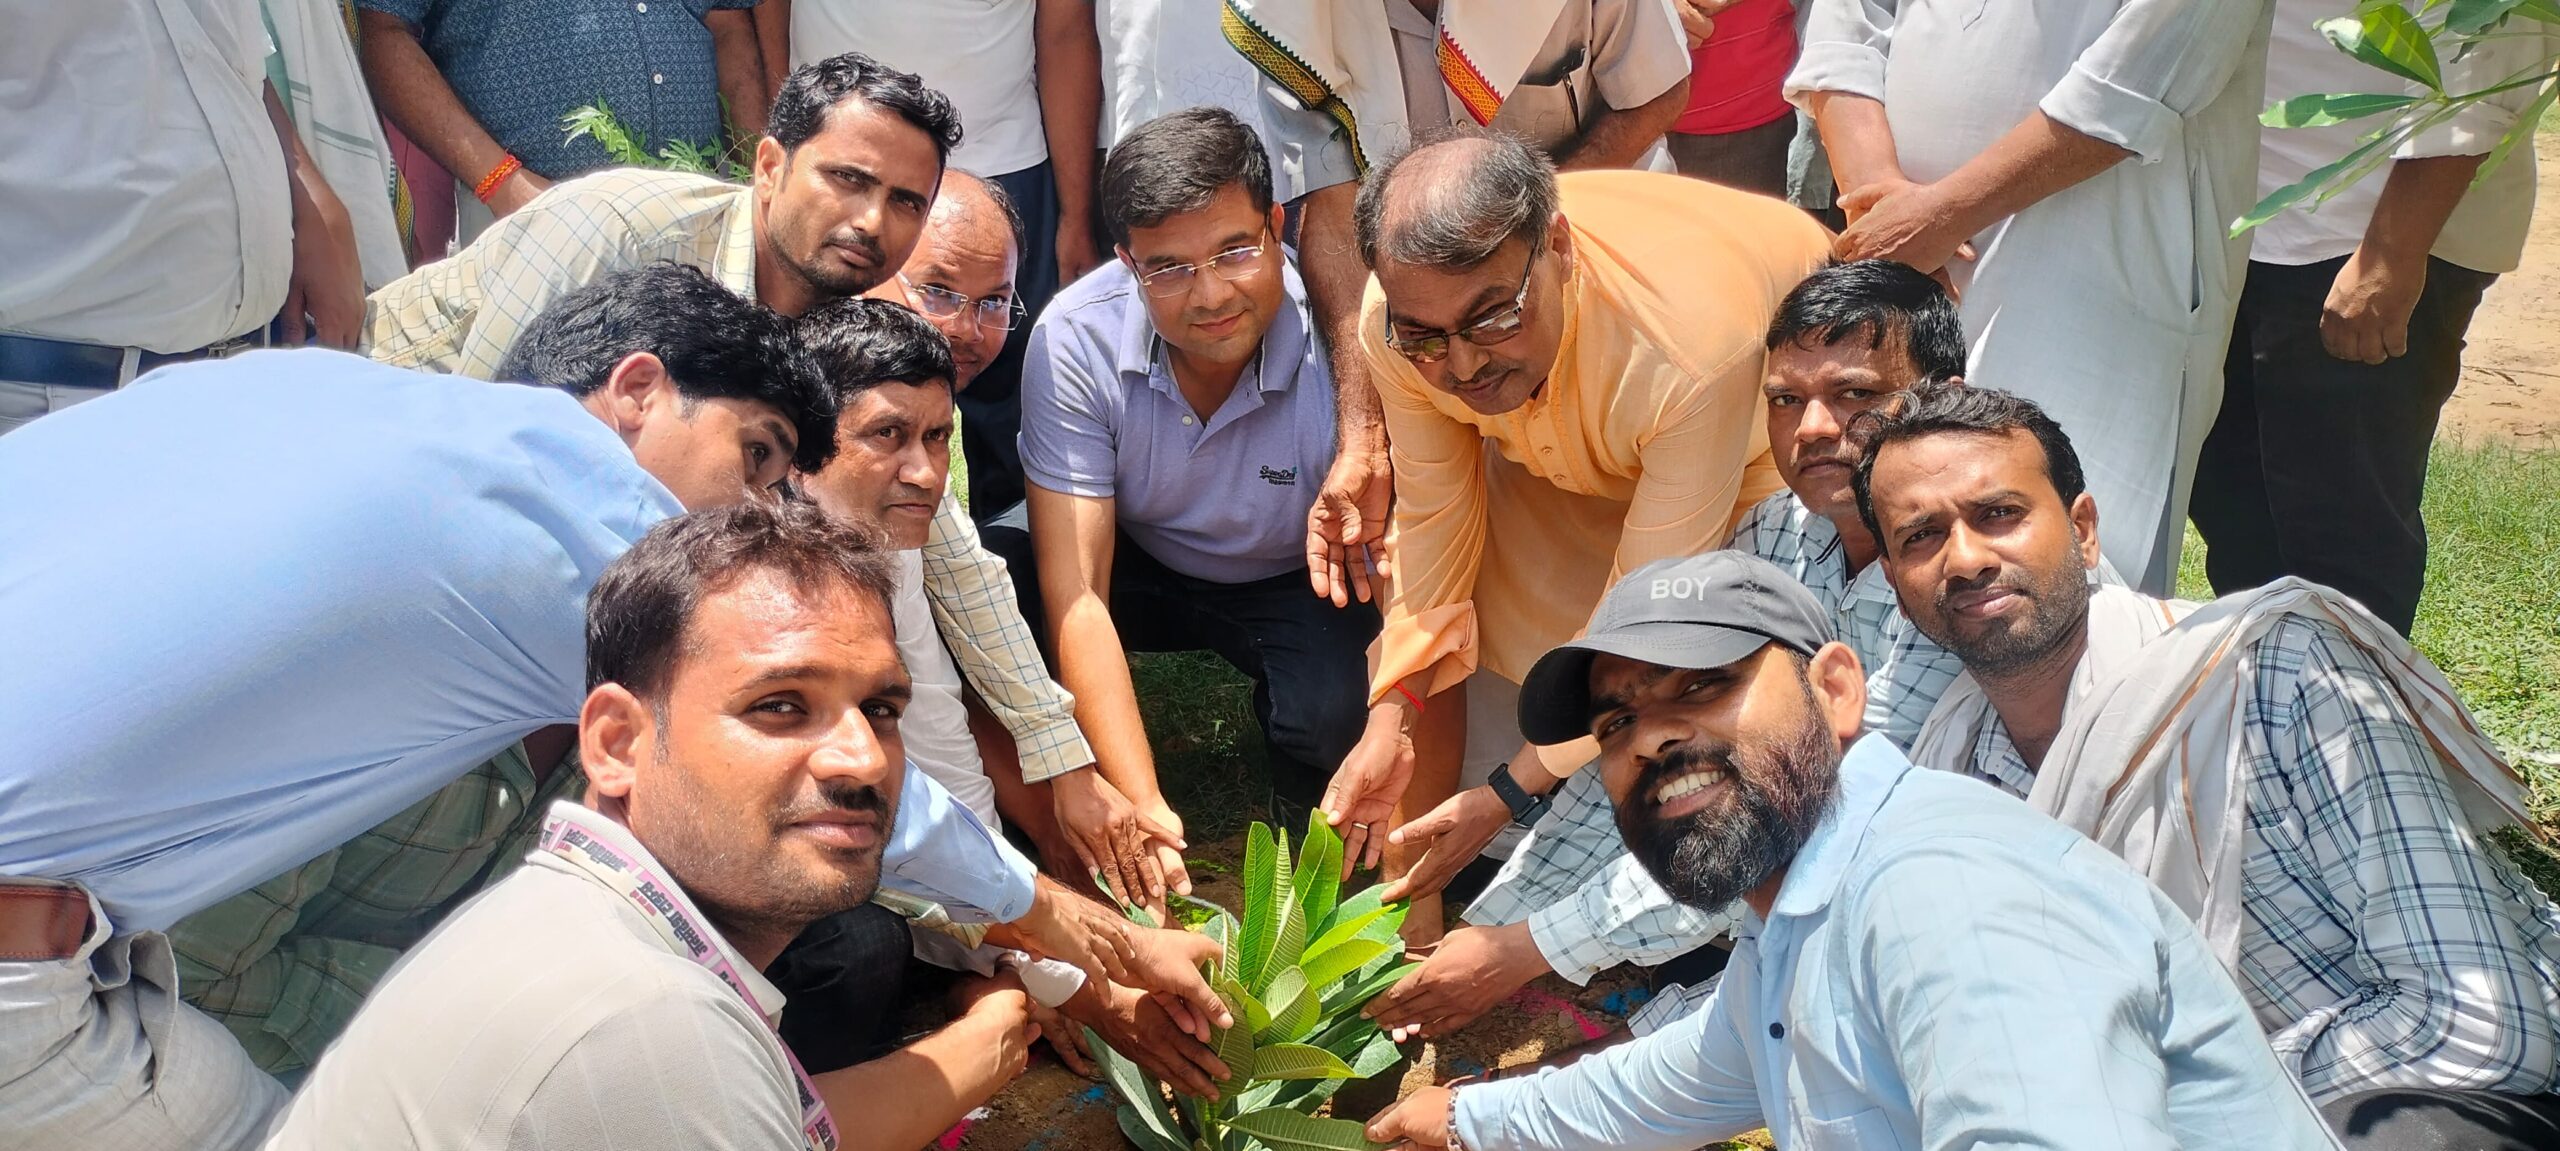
column 2510, row 389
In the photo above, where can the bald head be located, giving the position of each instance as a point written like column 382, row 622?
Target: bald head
column 1450, row 205
column 967, row 255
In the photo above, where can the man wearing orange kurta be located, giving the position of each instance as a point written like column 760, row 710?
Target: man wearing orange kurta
column 1571, row 372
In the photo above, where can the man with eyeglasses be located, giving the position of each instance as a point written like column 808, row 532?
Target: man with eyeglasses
column 1177, row 418
column 1571, row 372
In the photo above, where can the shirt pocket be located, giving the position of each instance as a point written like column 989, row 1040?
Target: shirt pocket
column 1867, row 1130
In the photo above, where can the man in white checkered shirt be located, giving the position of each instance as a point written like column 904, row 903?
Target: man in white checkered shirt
column 2279, row 762
column 1842, row 341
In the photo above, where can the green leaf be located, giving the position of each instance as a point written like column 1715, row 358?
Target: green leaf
column 1290, row 943
column 1361, row 903
column 1234, row 1046
column 1223, row 928
column 2318, row 111
column 2522, row 129
column 1344, row 931
column 1297, row 1061
column 1261, row 902
column 1319, row 869
column 1293, row 1008
column 1282, row 1129
column 2388, row 37
column 2543, row 10
column 1255, row 1015
column 1146, row 1103
column 1354, row 996
column 1324, row 967
column 2471, row 17
column 1134, row 1125
column 2285, row 197
column 1376, row 1055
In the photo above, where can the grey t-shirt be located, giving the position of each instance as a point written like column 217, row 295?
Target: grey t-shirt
column 1223, row 499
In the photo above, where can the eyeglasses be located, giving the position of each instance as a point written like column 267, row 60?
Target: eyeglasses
column 1491, row 330
column 1230, row 265
column 997, row 313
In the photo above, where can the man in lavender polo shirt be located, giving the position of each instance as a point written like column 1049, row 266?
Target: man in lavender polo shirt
column 1177, row 418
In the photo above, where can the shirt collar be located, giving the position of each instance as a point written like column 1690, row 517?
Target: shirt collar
column 1867, row 775
column 768, row 998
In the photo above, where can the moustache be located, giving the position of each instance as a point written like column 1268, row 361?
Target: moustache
column 1682, row 760
column 860, row 240
column 839, row 797
column 2003, row 580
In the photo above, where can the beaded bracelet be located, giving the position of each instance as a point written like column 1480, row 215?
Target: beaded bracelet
column 488, row 185
column 1455, row 1144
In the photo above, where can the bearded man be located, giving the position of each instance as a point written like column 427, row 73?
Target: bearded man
column 2035, row 987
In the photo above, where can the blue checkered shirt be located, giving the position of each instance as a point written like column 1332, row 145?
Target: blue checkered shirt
column 2385, row 945
column 520, row 65
column 1589, row 905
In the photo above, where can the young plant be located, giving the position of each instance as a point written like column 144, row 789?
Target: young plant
column 1294, row 971
column 624, row 147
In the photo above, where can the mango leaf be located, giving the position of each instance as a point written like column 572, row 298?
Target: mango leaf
column 1134, row 1125
column 2388, row 37
column 1234, row 1046
column 2522, row 129
column 1360, row 904
column 1145, row 1102
column 1255, row 1015
column 2318, row 111
column 1343, row 931
column 1282, row 1129
column 1323, row 967
column 1319, row 869
column 1297, row 1061
column 1293, row 1008
column 1353, row 996
column 2285, row 197
column 1290, row 943
column 2471, row 17
column 1261, row 902
column 1223, row 928
column 2543, row 10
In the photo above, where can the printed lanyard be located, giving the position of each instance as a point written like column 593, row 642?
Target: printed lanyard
column 655, row 899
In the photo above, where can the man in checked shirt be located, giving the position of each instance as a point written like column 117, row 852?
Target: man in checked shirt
column 2279, row 762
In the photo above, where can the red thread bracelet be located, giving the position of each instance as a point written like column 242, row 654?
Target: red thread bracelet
column 1408, row 694
column 488, row 185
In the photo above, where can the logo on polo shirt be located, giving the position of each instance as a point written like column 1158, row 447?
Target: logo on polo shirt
column 1282, row 477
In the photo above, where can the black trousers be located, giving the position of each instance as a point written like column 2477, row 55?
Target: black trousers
column 2316, row 465
column 845, row 978
column 2415, row 1119
column 1309, row 660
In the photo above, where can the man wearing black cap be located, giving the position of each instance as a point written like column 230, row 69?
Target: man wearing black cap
column 1925, row 961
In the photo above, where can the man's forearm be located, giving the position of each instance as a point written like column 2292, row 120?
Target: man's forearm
column 2036, row 159
column 1094, row 668
column 773, row 44
column 738, row 60
column 1329, row 261
column 1858, row 137
column 2420, row 195
column 1068, row 59
column 1620, row 136
column 409, row 89
column 936, row 1081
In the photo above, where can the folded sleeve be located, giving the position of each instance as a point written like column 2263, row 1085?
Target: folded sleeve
column 2157, row 63
column 2523, row 47
column 938, row 851
column 1845, row 46
column 1638, row 50
column 1068, row 439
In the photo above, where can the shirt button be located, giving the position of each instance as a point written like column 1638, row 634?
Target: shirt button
column 1186, row 421
column 640, row 7
column 658, row 78
column 1777, row 1031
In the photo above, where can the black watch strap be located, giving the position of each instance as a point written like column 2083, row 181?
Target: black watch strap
column 1526, row 809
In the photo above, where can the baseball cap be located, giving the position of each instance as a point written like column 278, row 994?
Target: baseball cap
column 1698, row 611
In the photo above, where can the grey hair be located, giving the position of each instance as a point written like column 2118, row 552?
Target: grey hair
column 1479, row 190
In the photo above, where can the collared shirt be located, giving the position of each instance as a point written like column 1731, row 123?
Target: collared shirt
column 1906, row 671
column 1646, row 442
column 935, row 725
column 520, row 65
column 461, row 315
column 141, row 179
column 2384, row 945
column 2486, row 232
column 1601, row 56
column 980, row 53
column 1223, row 499
column 254, row 666
column 558, row 1017
column 2030, row 985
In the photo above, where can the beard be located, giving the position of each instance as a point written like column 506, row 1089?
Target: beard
column 762, row 885
column 1779, row 791
column 2057, row 602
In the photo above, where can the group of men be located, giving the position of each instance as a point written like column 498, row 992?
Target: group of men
column 566, row 731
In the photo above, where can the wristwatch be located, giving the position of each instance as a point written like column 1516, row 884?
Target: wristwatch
column 1526, row 809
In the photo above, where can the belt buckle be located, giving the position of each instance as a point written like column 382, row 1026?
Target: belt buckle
column 225, row 349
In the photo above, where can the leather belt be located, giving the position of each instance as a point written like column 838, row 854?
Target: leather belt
column 67, row 364
column 40, row 922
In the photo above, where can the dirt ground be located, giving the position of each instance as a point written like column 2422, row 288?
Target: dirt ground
column 2510, row 388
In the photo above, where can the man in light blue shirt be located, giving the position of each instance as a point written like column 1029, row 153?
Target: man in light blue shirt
column 270, row 601
column 1923, row 965
column 1177, row 419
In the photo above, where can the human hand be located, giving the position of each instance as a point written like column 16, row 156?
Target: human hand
column 998, row 1021
column 517, row 190
column 1076, row 249
column 1473, row 969
column 1457, row 831
column 1906, row 222
column 1116, row 842
column 1136, row 1025
column 1418, row 1120
column 1065, row 1038
column 327, row 283
column 1365, row 788
column 1070, row 928
column 1347, row 529
column 2366, row 317
column 1166, row 962
column 1698, row 18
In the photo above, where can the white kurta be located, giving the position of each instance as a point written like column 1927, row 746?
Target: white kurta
column 2108, row 303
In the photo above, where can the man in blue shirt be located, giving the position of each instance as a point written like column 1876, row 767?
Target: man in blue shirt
column 312, row 591
column 1924, row 964
column 1177, row 417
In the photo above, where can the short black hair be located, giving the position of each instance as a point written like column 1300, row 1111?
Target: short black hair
column 715, row 343
column 1940, row 409
column 642, row 608
column 1177, row 163
column 861, row 343
column 814, row 89
column 1874, row 300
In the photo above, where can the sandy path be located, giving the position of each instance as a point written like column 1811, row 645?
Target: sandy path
column 2511, row 372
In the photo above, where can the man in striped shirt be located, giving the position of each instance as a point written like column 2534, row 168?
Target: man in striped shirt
column 2279, row 762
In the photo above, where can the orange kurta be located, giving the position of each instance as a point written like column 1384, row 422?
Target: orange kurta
column 1646, row 442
